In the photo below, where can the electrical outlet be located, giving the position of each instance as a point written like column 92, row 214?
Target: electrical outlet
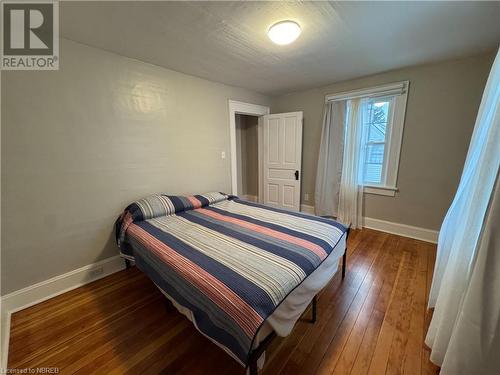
column 95, row 272
column 306, row 197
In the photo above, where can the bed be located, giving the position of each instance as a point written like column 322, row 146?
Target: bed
column 242, row 272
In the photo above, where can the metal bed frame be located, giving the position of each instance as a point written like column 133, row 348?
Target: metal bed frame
column 257, row 352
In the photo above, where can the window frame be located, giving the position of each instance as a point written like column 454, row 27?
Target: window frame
column 398, row 91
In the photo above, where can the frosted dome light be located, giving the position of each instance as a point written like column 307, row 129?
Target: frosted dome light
column 284, row 32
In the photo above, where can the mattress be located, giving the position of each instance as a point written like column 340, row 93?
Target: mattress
column 284, row 318
column 236, row 268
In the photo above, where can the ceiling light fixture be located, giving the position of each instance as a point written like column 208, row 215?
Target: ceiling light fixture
column 284, row 32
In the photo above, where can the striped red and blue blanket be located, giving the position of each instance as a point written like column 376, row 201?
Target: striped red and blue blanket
column 229, row 261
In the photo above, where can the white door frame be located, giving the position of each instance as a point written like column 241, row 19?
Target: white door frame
column 236, row 107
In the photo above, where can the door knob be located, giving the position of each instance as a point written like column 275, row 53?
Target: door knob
column 297, row 175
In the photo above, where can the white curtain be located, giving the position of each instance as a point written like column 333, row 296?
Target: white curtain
column 465, row 293
column 326, row 194
column 351, row 183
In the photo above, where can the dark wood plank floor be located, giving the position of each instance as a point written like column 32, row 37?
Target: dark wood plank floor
column 372, row 322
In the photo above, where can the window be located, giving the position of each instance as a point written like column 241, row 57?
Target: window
column 376, row 114
column 382, row 115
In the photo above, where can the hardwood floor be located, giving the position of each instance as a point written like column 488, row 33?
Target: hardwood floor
column 372, row 322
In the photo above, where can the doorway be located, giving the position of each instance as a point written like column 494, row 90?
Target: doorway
column 247, row 156
column 256, row 111
column 275, row 174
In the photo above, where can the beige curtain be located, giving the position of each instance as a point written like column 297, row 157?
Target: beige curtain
column 326, row 194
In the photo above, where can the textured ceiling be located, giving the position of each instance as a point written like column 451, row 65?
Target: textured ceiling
column 227, row 41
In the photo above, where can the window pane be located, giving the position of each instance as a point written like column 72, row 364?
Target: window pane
column 376, row 133
column 375, row 119
column 375, row 153
column 380, row 110
column 374, row 162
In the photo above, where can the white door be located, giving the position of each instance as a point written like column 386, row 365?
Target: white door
column 282, row 143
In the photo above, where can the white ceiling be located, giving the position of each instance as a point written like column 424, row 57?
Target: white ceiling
column 227, row 41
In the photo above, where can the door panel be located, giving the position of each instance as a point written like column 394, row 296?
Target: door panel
column 282, row 159
column 273, row 193
column 290, row 130
column 289, row 196
column 273, row 131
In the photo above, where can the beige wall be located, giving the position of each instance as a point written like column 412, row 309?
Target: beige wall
column 81, row 143
column 248, row 167
column 442, row 105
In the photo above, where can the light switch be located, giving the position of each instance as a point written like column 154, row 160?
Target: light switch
column 223, row 155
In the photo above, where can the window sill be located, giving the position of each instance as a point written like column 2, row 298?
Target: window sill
column 380, row 190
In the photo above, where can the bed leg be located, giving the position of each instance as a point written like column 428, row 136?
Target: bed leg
column 314, row 308
column 344, row 263
column 256, row 353
column 168, row 305
column 253, row 368
column 344, row 257
column 127, row 264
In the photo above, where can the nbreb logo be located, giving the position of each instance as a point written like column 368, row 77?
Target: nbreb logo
column 30, row 35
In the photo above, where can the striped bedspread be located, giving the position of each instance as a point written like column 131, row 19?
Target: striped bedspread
column 230, row 262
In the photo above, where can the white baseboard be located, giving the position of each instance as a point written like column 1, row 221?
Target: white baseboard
column 251, row 198
column 418, row 233
column 31, row 295
column 5, row 322
column 404, row 230
column 307, row 209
